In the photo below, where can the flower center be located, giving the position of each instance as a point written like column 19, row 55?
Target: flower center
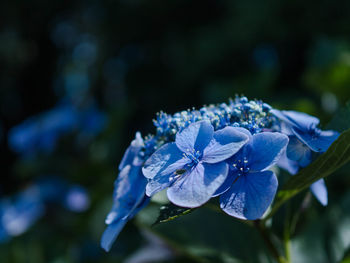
column 193, row 156
column 240, row 166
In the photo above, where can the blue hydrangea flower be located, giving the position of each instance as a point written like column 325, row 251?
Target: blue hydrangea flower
column 41, row 133
column 250, row 188
column 305, row 137
column 192, row 166
column 129, row 192
column 304, row 127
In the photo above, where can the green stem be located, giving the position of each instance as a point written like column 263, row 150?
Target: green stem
column 287, row 247
column 300, row 211
column 286, row 234
column 274, row 252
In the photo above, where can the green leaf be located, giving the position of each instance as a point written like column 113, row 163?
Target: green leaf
column 215, row 237
column 336, row 156
column 170, row 212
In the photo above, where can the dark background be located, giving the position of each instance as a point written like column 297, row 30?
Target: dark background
column 134, row 58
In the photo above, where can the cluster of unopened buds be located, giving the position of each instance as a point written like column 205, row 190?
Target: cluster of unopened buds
column 224, row 151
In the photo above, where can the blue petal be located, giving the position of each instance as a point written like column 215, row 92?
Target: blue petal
column 300, row 120
column 161, row 166
column 265, row 149
column 319, row 190
column 129, row 199
column 128, row 193
column 245, row 131
column 111, row 233
column 195, row 137
column 231, row 178
column 317, row 143
column 141, row 205
column 250, row 196
column 131, row 154
column 226, row 143
column 298, row 152
column 196, row 188
column 287, row 164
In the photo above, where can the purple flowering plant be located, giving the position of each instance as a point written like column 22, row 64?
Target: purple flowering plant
column 226, row 154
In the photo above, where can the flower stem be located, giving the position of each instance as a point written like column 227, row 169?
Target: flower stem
column 287, row 234
column 287, row 247
column 262, row 230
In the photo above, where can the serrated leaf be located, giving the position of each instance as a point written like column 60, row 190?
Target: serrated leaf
column 336, row 156
column 170, row 212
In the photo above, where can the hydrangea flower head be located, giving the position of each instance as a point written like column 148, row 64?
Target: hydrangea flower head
column 219, row 150
column 250, row 187
column 192, row 166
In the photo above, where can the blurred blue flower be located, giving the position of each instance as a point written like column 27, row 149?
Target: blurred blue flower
column 76, row 199
column 52, row 189
column 249, row 188
column 91, row 122
column 304, row 137
column 19, row 213
column 129, row 193
column 41, row 133
column 192, row 166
